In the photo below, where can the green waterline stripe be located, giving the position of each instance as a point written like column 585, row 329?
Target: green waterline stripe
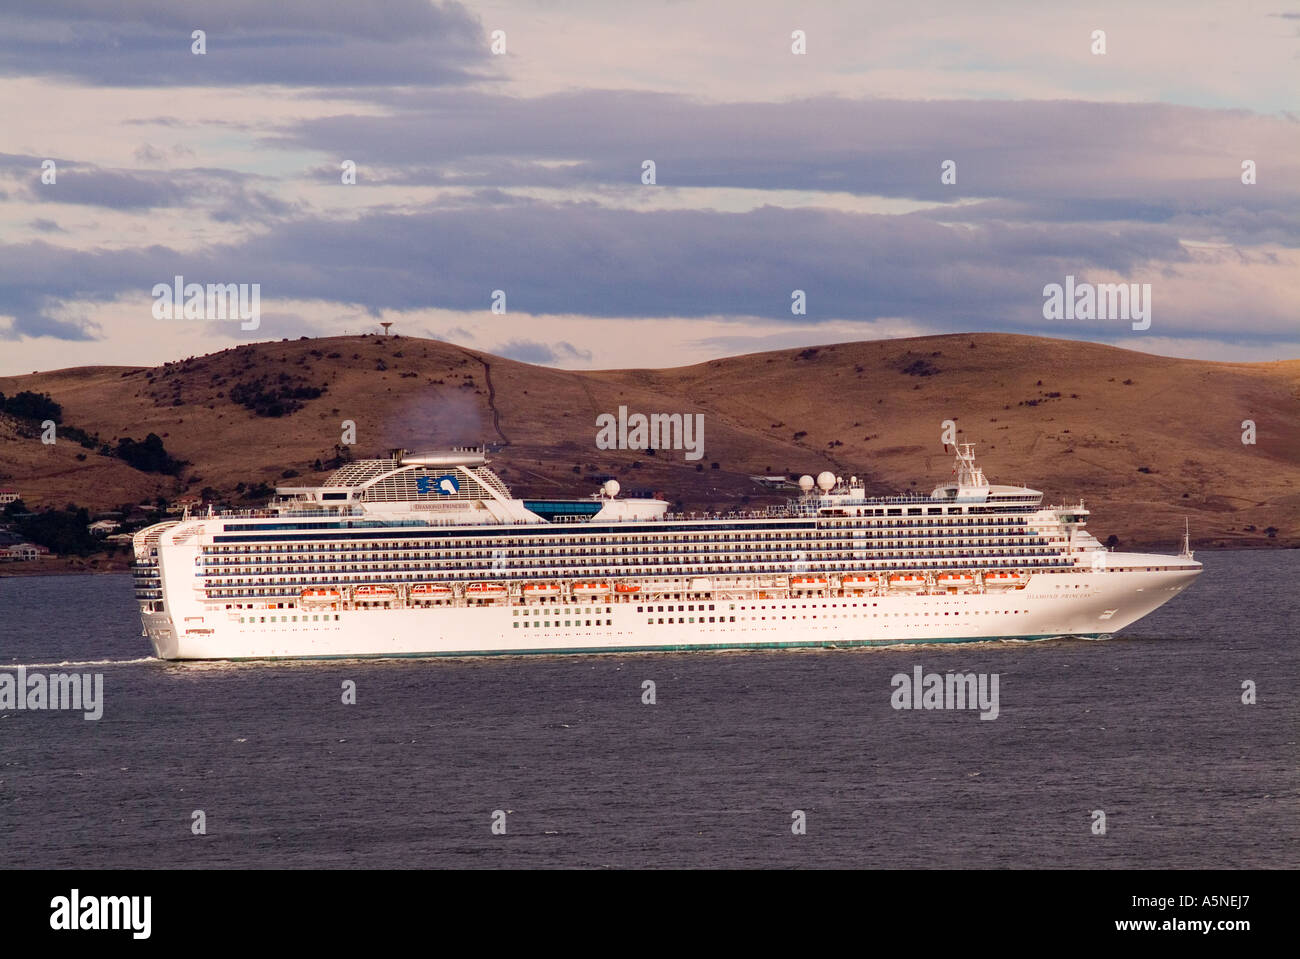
column 677, row 648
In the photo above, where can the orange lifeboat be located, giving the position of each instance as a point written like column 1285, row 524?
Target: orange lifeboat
column 485, row 589
column 958, row 580
column 808, row 582
column 907, row 581
column 590, row 589
column 541, row 589
column 1003, row 579
column 374, row 594
column 430, row 591
column 859, row 582
column 626, row 588
column 314, row 597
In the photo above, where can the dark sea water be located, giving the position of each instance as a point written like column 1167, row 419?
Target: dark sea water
column 1148, row 727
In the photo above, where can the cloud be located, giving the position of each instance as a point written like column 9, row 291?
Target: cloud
column 469, row 181
column 588, row 260
column 866, row 145
column 542, row 354
column 229, row 195
column 296, row 42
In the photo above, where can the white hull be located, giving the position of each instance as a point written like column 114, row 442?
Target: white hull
column 1077, row 603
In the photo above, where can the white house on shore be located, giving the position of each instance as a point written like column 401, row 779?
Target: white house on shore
column 21, row 552
column 8, row 496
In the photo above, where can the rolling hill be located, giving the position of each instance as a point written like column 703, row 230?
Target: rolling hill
column 1144, row 440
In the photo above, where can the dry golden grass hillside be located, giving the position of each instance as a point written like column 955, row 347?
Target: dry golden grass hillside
column 1144, row 440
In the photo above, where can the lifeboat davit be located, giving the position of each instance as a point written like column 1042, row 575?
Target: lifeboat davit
column 955, row 580
column 485, row 589
column 315, row 597
column 626, row 588
column 430, row 591
column 907, row 581
column 590, row 589
column 374, row 594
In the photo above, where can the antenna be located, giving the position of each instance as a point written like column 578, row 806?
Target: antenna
column 386, row 325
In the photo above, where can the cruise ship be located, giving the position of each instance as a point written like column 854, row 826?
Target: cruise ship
column 429, row 554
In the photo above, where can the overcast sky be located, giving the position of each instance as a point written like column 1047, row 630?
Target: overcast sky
column 522, row 172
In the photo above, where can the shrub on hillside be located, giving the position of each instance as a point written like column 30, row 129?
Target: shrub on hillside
column 31, row 406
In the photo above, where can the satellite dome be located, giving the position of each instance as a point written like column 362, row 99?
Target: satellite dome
column 806, row 483
column 611, row 488
column 826, row 480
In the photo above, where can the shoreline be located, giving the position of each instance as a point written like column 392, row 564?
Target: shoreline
column 58, row 566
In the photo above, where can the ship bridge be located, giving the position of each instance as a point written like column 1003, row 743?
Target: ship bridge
column 972, row 486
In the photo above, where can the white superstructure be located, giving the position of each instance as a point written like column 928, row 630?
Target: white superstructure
column 430, row 554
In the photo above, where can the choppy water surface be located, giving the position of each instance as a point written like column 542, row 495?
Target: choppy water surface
column 1148, row 727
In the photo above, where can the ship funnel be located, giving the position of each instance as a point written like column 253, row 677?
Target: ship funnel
column 445, row 458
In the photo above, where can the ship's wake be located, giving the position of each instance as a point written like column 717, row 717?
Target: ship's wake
column 77, row 664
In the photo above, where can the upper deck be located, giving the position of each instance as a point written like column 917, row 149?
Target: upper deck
column 457, row 488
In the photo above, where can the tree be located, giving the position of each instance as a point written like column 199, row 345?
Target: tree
column 148, row 455
column 31, row 406
column 61, row 531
